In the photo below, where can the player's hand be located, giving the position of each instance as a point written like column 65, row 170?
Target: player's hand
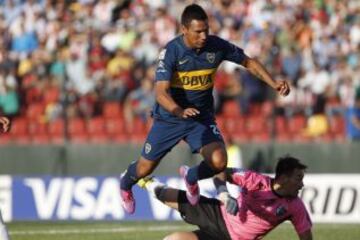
column 4, row 124
column 188, row 113
column 283, row 88
column 230, row 203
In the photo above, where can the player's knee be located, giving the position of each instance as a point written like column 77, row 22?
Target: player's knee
column 219, row 165
column 219, row 160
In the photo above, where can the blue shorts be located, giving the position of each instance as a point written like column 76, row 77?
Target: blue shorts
column 164, row 135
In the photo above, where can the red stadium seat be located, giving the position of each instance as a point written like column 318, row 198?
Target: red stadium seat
column 96, row 125
column 112, row 110
column 97, row 131
column 138, row 138
column 114, row 126
column 327, row 137
column 300, row 138
column 99, row 137
column 139, row 127
column 77, row 130
column 81, row 138
column 337, row 127
column 138, row 132
column 77, row 126
column 39, row 132
column 241, row 137
column 22, row 139
column 255, row 109
column 267, row 108
column 115, row 130
column 256, row 125
column 19, row 126
column 235, row 124
column 51, row 95
column 280, row 125
column 35, row 111
column 56, row 127
column 19, row 131
column 231, row 109
column 120, row 138
column 5, row 139
column 37, row 128
column 260, row 137
column 296, row 124
column 40, row 139
column 283, row 137
column 56, row 131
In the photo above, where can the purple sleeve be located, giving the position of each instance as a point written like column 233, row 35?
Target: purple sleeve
column 300, row 217
column 244, row 178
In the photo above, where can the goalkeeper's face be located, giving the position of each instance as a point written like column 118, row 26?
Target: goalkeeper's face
column 293, row 183
column 196, row 34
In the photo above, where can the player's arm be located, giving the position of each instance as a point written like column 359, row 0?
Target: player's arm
column 300, row 218
column 236, row 176
column 233, row 175
column 307, row 235
column 258, row 70
column 166, row 101
column 230, row 203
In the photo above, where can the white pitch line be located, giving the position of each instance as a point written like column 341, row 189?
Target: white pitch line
column 100, row 230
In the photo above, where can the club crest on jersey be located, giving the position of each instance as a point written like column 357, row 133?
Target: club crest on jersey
column 210, row 57
column 280, row 211
column 147, row 148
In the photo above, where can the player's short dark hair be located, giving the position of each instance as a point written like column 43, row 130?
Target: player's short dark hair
column 287, row 164
column 193, row 12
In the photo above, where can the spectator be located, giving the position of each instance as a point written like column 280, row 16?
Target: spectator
column 252, row 91
column 98, row 47
column 291, row 64
column 139, row 102
column 9, row 99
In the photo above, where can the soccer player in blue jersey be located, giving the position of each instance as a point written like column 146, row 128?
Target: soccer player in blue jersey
column 184, row 108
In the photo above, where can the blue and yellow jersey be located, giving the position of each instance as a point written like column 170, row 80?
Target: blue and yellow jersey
column 191, row 73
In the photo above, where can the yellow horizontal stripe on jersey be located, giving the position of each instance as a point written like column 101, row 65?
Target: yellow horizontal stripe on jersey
column 194, row 80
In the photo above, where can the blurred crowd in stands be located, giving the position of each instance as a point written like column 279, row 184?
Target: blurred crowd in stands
column 91, row 62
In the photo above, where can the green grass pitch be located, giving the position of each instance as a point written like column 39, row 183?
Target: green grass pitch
column 153, row 231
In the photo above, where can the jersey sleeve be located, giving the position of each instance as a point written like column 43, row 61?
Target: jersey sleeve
column 232, row 52
column 244, row 178
column 300, row 217
column 166, row 64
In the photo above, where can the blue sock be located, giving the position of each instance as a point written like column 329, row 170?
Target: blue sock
column 201, row 171
column 130, row 178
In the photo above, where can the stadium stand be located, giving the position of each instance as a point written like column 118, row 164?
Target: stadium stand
column 82, row 59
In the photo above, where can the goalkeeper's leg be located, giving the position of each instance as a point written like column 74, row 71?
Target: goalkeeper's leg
column 168, row 196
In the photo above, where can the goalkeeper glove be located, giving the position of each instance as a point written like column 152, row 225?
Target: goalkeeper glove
column 230, row 203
